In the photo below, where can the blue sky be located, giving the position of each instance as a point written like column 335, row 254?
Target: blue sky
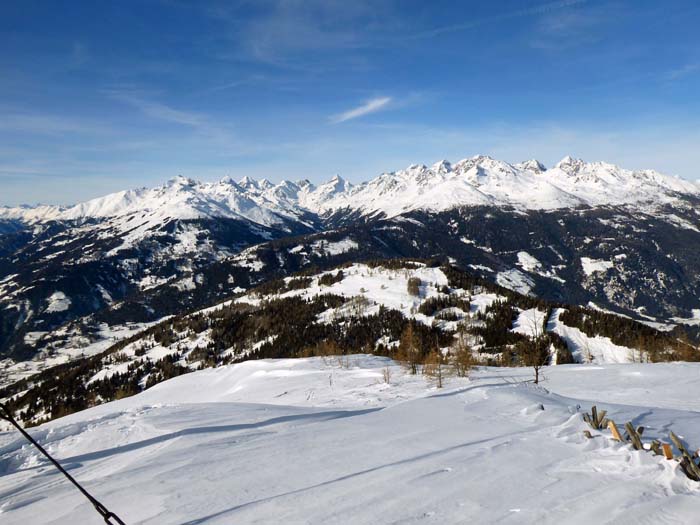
column 102, row 96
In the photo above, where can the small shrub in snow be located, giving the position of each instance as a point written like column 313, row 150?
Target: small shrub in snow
column 386, row 375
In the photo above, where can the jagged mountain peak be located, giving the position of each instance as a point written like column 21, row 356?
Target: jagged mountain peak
column 443, row 166
column 532, row 165
column 570, row 165
column 180, row 181
column 485, row 161
column 248, row 182
column 335, row 185
column 265, row 184
column 476, row 180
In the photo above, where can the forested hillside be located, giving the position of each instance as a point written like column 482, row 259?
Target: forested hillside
column 408, row 310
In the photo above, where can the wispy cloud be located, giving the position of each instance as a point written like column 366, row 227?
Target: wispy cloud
column 684, row 71
column 517, row 13
column 309, row 36
column 371, row 106
column 560, row 31
column 232, row 85
column 45, row 124
column 159, row 111
column 210, row 132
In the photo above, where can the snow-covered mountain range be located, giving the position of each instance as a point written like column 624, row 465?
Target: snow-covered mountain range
column 479, row 180
column 581, row 233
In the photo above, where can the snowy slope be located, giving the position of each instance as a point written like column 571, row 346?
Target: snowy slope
column 381, row 287
column 308, row 441
column 482, row 180
column 478, row 180
column 179, row 198
column 584, row 348
column 368, row 290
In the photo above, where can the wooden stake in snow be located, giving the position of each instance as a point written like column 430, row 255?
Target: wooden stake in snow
column 688, row 463
column 668, row 451
column 634, row 436
column 614, row 431
column 596, row 419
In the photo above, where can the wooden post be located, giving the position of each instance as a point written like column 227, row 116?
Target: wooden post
column 689, row 468
column 692, row 469
column 633, row 436
column 601, row 419
column 614, row 431
column 596, row 419
column 668, row 451
column 655, row 447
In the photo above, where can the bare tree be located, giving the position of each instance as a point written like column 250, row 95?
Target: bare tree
column 410, row 351
column 434, row 367
column 462, row 358
column 534, row 352
column 588, row 355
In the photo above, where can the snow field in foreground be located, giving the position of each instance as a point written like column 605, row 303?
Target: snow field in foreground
column 328, row 441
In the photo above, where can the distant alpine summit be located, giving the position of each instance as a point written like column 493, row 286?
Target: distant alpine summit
column 478, row 180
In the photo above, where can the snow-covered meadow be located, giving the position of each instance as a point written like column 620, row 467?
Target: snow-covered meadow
column 357, row 440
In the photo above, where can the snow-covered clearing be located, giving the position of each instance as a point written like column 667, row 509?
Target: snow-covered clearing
column 335, row 248
column 382, row 287
column 587, row 349
column 528, row 262
column 591, row 266
column 530, row 322
column 249, row 259
column 515, row 280
column 584, row 348
column 329, row 441
column 531, row 264
column 58, row 302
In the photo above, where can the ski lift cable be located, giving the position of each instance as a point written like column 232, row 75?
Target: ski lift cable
column 108, row 516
